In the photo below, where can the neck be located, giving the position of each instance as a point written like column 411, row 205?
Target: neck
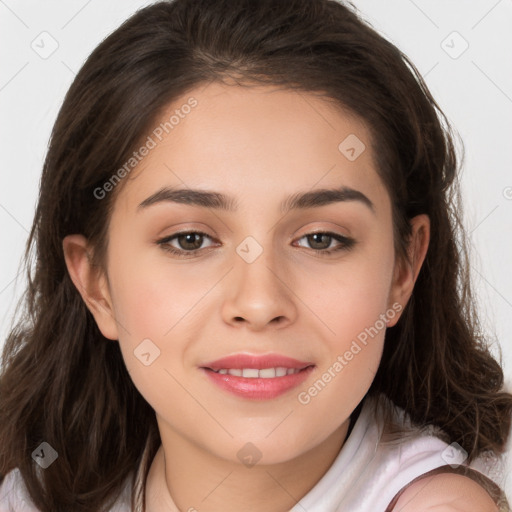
column 184, row 477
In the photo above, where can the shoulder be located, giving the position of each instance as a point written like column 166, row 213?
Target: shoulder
column 13, row 494
column 445, row 493
column 423, row 472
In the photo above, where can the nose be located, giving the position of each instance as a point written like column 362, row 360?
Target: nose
column 259, row 295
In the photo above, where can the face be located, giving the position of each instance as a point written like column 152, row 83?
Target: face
column 313, row 280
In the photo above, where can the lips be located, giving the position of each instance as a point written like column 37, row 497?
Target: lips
column 257, row 362
column 258, row 377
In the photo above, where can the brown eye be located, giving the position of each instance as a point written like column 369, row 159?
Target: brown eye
column 320, row 242
column 190, row 241
column 185, row 244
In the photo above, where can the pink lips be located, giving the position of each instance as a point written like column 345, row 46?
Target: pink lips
column 256, row 387
column 256, row 361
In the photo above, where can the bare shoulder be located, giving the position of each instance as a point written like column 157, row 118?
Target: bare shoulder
column 445, row 493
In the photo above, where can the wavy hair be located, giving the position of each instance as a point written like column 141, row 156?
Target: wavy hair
column 64, row 383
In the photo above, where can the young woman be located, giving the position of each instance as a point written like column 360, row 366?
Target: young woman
column 250, row 289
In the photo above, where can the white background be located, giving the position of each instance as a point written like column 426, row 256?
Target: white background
column 474, row 90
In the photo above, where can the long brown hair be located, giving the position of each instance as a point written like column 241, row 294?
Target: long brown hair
column 62, row 382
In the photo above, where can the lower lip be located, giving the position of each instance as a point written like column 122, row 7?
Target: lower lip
column 258, row 388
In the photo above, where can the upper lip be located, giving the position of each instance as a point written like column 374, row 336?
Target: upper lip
column 256, row 361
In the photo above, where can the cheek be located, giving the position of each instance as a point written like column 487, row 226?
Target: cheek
column 152, row 311
column 352, row 296
column 355, row 311
column 354, row 307
column 157, row 305
column 152, row 295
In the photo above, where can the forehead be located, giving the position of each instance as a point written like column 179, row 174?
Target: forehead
column 256, row 141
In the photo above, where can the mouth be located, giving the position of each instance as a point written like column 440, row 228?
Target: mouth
column 257, row 377
column 255, row 373
column 249, row 363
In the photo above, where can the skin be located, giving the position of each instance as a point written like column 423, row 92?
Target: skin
column 445, row 493
column 259, row 145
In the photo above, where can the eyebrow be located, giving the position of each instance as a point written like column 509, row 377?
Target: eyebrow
column 219, row 201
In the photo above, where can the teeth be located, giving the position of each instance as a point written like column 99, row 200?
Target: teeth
column 254, row 373
column 267, row 373
column 250, row 372
column 280, row 372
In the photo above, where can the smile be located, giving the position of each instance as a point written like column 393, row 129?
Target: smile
column 258, row 384
column 254, row 373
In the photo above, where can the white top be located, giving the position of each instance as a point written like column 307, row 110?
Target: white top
column 365, row 476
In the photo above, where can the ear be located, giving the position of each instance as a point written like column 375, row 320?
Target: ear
column 406, row 272
column 91, row 283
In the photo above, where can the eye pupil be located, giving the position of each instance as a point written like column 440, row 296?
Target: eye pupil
column 319, row 238
column 195, row 239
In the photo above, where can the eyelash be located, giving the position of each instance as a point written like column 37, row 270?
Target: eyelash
column 346, row 243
